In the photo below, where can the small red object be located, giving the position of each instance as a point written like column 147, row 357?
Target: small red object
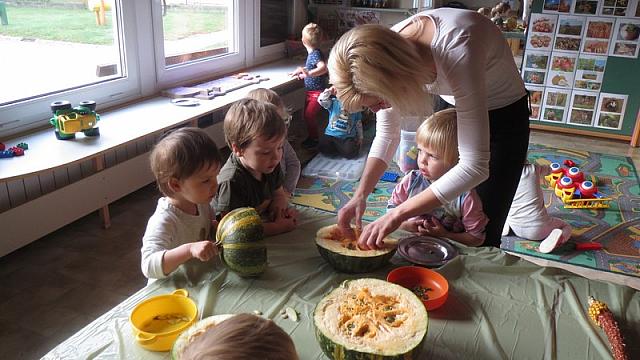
column 17, row 151
column 2, row 146
column 588, row 246
column 569, row 163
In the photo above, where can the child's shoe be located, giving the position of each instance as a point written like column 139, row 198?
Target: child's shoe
column 553, row 241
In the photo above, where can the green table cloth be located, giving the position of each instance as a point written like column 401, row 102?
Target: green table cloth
column 499, row 306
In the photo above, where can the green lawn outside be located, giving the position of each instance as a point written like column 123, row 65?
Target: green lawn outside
column 79, row 25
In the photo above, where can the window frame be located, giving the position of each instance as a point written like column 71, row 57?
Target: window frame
column 142, row 42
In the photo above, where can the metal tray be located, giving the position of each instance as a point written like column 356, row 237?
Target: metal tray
column 426, row 251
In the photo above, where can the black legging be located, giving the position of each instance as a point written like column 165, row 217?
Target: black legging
column 509, row 142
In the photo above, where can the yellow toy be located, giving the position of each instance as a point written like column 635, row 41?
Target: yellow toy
column 570, row 186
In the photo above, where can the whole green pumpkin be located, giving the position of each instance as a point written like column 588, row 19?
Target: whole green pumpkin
column 243, row 249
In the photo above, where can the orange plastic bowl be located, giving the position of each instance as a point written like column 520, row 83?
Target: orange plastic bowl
column 412, row 276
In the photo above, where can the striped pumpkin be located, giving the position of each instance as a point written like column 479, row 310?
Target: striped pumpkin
column 243, row 247
column 371, row 319
column 345, row 256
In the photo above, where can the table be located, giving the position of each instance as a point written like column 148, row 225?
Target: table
column 499, row 305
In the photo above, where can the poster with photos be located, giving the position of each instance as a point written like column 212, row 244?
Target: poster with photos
column 597, row 35
column 541, row 31
column 536, row 93
column 561, row 70
column 569, row 33
column 586, row 7
column 536, row 60
column 614, row 7
column 590, row 72
column 625, row 42
column 554, row 105
column 582, row 108
column 557, row 6
column 611, row 109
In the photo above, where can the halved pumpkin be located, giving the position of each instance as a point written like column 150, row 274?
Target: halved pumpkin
column 344, row 255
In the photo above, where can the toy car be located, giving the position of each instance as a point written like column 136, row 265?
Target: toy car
column 572, row 187
column 69, row 120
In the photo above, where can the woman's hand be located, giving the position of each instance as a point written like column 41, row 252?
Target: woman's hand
column 353, row 209
column 373, row 235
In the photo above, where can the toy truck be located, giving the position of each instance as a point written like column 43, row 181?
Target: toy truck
column 68, row 120
column 572, row 187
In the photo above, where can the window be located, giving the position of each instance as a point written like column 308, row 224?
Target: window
column 80, row 50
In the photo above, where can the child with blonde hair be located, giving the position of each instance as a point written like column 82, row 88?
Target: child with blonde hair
column 462, row 219
column 242, row 337
column 290, row 164
column 251, row 177
column 315, row 78
column 185, row 164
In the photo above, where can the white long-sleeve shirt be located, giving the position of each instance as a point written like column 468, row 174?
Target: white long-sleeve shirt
column 476, row 72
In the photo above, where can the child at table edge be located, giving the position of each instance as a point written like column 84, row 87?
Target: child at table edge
column 185, row 164
column 463, row 219
column 251, row 177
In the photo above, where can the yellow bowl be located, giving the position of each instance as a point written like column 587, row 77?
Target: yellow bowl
column 159, row 320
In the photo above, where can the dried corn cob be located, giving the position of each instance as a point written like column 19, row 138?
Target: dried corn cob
column 603, row 317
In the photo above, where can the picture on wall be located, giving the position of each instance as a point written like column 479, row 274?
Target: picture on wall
column 590, row 72
column 543, row 27
column 582, row 108
column 611, row 108
column 561, row 70
column 536, row 94
column 557, row 6
column 614, row 8
column 586, row 7
column 569, row 33
column 536, row 60
column 626, row 38
column 533, row 77
column 597, row 35
column 555, row 105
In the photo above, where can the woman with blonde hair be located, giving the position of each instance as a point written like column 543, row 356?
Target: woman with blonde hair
column 462, row 56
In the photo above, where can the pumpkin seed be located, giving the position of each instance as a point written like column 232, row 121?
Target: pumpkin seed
column 257, row 312
column 285, row 316
column 282, row 311
column 292, row 313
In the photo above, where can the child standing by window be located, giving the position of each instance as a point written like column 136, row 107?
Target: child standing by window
column 315, row 78
column 251, row 177
column 343, row 135
column 528, row 218
column 185, row 164
column 290, row 164
column 462, row 219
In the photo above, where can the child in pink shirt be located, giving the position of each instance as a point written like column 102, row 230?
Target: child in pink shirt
column 462, row 219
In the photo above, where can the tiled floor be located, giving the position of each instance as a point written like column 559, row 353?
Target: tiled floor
column 58, row 284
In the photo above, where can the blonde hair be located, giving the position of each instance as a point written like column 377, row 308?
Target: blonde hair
column 439, row 133
column 248, row 119
column 180, row 154
column 272, row 97
column 242, row 337
column 313, row 34
column 372, row 60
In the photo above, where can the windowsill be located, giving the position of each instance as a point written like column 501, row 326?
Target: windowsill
column 124, row 125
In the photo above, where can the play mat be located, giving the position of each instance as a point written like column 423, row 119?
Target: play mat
column 616, row 228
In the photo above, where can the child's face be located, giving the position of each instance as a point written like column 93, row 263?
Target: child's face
column 201, row 187
column 431, row 163
column 261, row 156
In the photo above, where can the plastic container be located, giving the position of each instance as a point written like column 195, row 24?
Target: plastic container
column 335, row 168
column 407, row 154
column 159, row 320
column 412, row 276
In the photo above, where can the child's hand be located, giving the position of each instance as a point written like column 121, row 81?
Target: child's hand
column 432, row 227
column 299, row 73
column 203, row 250
column 287, row 223
column 411, row 225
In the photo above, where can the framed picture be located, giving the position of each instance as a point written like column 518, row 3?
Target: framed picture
column 597, row 35
column 536, row 93
column 569, row 33
column 586, row 7
column 561, row 70
column 533, row 77
column 557, row 6
column 582, row 108
column 554, row 105
column 615, row 8
column 541, row 33
column 626, row 38
column 589, row 72
column 610, row 111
